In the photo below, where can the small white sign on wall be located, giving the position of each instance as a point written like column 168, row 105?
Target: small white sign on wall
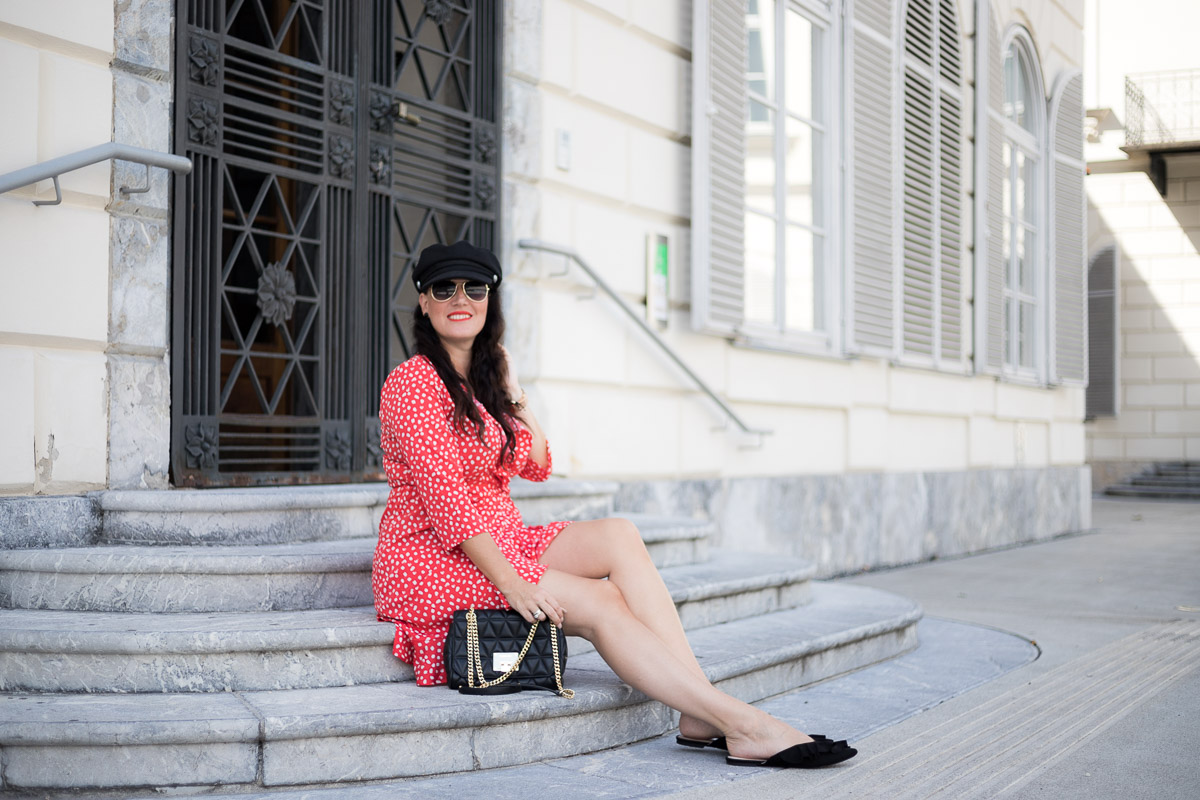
column 658, row 286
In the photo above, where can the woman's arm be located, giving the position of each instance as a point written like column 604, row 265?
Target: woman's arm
column 520, row 409
column 523, row 597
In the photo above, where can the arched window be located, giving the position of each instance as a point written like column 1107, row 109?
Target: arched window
column 1023, row 225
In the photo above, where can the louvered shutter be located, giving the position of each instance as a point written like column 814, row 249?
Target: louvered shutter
column 932, row 200
column 1068, row 218
column 718, row 152
column 919, row 313
column 950, row 186
column 873, row 220
column 1102, row 329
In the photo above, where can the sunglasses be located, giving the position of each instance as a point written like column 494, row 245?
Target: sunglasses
column 444, row 291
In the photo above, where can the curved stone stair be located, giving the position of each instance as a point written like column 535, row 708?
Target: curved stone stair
column 388, row 730
column 248, row 657
column 238, row 577
column 93, row 651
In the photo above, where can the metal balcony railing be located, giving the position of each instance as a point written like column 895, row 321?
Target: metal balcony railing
column 1162, row 108
column 755, row 434
column 85, row 158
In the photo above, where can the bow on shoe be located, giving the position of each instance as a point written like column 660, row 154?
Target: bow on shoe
column 810, row 755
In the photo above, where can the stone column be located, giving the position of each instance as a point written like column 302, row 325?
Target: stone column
column 521, row 131
column 139, row 377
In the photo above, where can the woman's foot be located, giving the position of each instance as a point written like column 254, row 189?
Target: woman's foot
column 692, row 728
column 762, row 737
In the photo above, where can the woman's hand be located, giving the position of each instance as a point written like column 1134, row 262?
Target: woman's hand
column 534, row 603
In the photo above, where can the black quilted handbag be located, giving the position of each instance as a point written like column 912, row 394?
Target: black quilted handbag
column 492, row 651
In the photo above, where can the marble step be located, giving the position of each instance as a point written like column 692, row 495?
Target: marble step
column 93, row 651
column 277, row 514
column 1158, row 492
column 1166, row 480
column 1177, row 468
column 256, row 740
column 280, row 577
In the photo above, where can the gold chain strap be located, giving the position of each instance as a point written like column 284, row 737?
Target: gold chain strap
column 474, row 663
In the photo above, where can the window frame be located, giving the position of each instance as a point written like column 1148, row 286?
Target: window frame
column 827, row 290
column 1106, row 244
column 1037, row 143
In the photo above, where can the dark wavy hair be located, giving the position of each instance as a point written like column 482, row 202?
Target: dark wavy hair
column 487, row 378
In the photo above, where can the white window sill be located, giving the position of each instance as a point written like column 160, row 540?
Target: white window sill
column 816, row 345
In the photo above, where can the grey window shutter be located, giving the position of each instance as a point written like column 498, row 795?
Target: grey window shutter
column 989, row 284
column 919, row 312
column 1068, row 215
column 950, row 187
column 932, row 191
column 718, row 171
column 1101, row 399
column 873, row 216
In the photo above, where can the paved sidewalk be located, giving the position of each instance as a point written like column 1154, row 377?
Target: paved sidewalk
column 1111, row 708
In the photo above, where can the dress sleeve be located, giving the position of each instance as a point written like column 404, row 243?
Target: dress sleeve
column 530, row 470
column 430, row 447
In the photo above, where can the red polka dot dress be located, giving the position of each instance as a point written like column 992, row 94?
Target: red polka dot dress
column 446, row 486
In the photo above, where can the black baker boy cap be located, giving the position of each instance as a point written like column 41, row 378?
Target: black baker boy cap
column 458, row 260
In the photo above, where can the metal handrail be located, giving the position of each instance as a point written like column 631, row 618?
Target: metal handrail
column 93, row 155
column 538, row 244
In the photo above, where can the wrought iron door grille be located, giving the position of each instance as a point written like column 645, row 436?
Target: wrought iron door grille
column 332, row 140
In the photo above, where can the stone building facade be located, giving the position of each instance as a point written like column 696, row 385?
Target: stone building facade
column 1144, row 238
column 917, row 405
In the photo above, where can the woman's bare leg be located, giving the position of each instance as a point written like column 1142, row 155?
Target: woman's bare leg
column 597, row 610
column 613, row 549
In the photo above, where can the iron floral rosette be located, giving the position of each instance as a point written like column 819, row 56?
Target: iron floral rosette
column 203, row 55
column 202, row 122
column 437, row 10
column 341, row 157
column 276, row 294
column 338, row 449
column 200, row 442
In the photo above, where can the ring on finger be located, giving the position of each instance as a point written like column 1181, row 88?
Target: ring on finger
column 537, row 614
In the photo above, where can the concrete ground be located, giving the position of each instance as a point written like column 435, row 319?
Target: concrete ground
column 1068, row 669
column 1111, row 709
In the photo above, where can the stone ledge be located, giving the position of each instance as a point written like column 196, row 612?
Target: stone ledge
column 342, row 555
column 730, row 572
column 273, row 498
column 95, row 632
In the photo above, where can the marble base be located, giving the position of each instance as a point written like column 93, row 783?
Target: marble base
column 847, row 523
column 65, row 521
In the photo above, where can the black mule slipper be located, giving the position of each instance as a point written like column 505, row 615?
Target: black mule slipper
column 720, row 744
column 809, row 755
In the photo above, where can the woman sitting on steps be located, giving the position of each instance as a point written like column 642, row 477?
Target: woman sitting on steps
column 455, row 429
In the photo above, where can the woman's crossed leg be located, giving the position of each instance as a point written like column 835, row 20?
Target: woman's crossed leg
column 632, row 621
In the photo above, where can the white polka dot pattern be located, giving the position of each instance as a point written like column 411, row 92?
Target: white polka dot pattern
column 446, row 486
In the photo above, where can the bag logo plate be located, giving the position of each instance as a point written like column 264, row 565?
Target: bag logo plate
column 503, row 662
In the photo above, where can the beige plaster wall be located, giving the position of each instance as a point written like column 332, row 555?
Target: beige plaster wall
column 56, row 90
column 619, row 90
column 1157, row 238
